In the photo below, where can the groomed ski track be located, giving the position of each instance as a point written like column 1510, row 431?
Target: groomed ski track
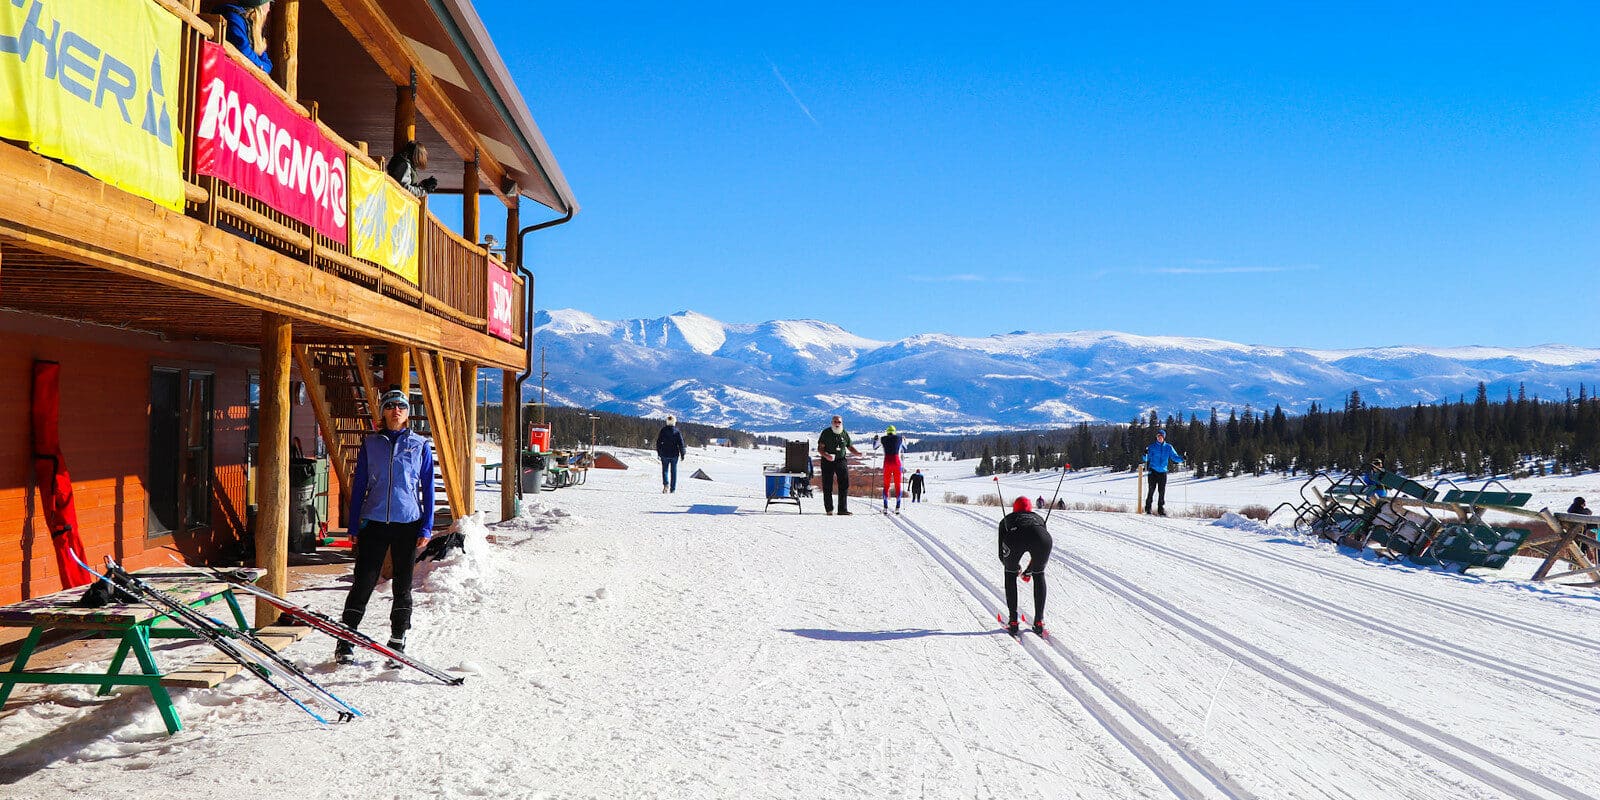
column 1341, row 694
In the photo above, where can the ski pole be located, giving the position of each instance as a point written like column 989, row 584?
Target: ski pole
column 998, row 494
column 1063, row 478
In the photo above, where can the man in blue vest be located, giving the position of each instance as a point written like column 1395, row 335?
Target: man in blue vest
column 1159, row 456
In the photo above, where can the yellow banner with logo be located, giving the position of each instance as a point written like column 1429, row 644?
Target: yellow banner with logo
column 383, row 221
column 95, row 84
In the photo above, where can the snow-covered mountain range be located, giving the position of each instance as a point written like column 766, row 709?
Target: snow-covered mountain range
column 793, row 374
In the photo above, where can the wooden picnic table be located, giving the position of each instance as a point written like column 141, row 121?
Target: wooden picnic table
column 134, row 624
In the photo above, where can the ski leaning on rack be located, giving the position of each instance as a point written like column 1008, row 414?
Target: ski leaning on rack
column 335, row 628
column 265, row 663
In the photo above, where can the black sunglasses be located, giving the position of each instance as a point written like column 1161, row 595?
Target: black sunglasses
column 387, row 406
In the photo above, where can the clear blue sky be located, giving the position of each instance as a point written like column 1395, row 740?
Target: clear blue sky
column 1357, row 174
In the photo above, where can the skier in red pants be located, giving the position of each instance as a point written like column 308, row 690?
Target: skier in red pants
column 891, row 468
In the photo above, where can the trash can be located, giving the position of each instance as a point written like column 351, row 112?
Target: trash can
column 303, row 518
column 533, row 464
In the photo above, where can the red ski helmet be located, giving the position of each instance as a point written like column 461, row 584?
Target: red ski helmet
column 1022, row 504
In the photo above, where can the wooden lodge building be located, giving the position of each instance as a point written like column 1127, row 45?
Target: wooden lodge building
column 218, row 262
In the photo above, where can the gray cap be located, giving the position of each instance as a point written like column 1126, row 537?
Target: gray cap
column 395, row 396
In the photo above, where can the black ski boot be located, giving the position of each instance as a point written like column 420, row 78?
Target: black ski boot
column 344, row 653
column 399, row 646
column 1038, row 628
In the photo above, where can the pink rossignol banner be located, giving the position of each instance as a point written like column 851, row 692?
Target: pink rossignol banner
column 245, row 135
column 501, row 289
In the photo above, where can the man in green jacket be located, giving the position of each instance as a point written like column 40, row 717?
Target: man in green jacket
column 833, row 445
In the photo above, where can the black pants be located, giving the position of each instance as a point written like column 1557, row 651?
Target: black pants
column 835, row 471
column 1037, row 546
column 916, row 494
column 399, row 541
column 1157, row 480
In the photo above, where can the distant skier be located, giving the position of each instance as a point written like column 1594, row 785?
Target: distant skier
column 1023, row 531
column 891, row 468
column 834, row 446
column 669, row 446
column 1159, row 456
column 916, row 481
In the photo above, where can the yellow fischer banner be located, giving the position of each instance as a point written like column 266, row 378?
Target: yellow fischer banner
column 383, row 222
column 95, row 84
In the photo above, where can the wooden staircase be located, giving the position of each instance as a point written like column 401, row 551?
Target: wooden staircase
column 343, row 391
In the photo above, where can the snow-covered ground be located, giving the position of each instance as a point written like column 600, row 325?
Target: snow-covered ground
column 620, row 642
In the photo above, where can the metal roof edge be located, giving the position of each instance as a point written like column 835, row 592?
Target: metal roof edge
column 465, row 27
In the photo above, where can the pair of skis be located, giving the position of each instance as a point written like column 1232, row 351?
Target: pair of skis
column 333, row 627
column 256, row 656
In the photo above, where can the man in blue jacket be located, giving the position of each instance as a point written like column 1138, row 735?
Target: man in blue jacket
column 1159, row 456
column 391, row 513
column 670, row 447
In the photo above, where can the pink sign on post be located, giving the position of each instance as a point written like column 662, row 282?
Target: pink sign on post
column 245, row 135
column 501, row 292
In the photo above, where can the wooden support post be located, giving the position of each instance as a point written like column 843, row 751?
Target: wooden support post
column 396, row 373
column 319, row 405
column 510, row 446
column 513, row 229
column 469, row 200
column 1138, row 498
column 285, row 46
column 272, row 485
column 405, row 114
column 469, row 431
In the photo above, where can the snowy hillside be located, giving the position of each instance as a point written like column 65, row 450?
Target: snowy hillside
column 623, row 643
column 793, row 373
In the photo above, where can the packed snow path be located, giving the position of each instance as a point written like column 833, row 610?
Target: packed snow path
column 624, row 643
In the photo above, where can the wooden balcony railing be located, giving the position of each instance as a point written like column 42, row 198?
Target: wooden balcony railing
column 454, row 284
column 452, row 271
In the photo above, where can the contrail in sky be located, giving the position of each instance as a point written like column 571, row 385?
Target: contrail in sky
column 792, row 95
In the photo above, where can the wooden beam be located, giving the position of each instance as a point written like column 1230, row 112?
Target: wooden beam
column 319, row 406
column 272, row 485
column 375, row 31
column 59, row 211
column 510, row 446
column 369, row 385
column 286, row 46
column 469, row 429
column 438, row 420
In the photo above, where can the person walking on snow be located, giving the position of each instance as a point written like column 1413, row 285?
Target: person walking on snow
column 916, row 481
column 891, row 468
column 1023, row 531
column 391, row 513
column 833, row 445
column 669, row 446
column 1159, row 456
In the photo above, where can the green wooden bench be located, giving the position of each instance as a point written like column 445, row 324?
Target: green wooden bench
column 1488, row 546
column 134, row 625
column 1407, row 486
column 1501, row 499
